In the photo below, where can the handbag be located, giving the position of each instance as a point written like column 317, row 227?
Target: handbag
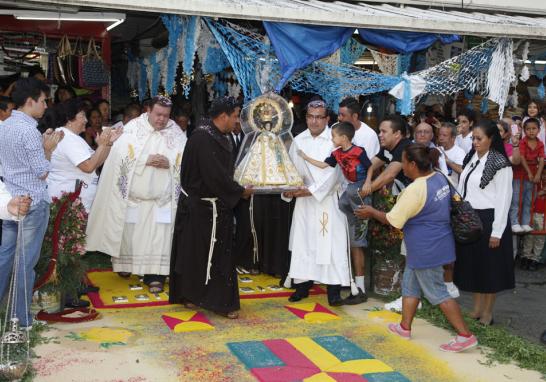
column 465, row 222
column 73, row 64
column 62, row 57
column 94, row 71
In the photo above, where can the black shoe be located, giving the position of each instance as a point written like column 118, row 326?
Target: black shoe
column 89, row 289
column 532, row 266
column 543, row 337
column 298, row 295
column 360, row 298
column 336, row 301
column 75, row 304
column 524, row 263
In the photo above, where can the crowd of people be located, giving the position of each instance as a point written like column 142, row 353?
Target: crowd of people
column 165, row 206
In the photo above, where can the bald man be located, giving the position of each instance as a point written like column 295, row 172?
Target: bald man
column 424, row 134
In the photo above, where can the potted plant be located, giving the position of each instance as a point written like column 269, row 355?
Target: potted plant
column 60, row 269
column 384, row 245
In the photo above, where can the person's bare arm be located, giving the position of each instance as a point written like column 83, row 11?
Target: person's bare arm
column 540, row 167
column 314, row 162
column 387, row 176
column 368, row 184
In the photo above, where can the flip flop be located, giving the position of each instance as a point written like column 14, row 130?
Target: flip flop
column 155, row 287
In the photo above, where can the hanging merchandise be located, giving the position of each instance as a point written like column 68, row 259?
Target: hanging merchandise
column 61, row 65
column 94, row 72
column 404, row 42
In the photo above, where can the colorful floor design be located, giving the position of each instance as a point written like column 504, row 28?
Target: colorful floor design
column 118, row 292
column 317, row 359
column 265, row 286
column 312, row 313
column 169, row 343
column 189, row 321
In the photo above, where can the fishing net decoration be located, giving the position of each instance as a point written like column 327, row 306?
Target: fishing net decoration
column 486, row 69
column 351, row 51
column 258, row 70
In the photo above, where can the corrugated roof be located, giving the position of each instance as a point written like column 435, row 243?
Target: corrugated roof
column 342, row 13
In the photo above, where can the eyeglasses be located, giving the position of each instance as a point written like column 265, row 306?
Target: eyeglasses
column 314, row 117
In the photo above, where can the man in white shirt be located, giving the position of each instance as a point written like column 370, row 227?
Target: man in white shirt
column 365, row 137
column 454, row 155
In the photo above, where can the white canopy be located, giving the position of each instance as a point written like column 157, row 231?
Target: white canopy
column 352, row 13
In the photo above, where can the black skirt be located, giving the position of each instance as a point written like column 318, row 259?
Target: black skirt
column 480, row 269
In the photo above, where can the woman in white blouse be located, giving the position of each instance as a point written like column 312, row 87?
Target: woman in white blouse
column 487, row 266
column 73, row 159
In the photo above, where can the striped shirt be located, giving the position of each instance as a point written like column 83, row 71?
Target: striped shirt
column 23, row 158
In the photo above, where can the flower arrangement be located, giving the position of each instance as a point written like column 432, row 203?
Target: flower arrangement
column 60, row 267
column 383, row 238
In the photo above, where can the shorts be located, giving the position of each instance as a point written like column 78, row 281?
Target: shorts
column 348, row 202
column 427, row 281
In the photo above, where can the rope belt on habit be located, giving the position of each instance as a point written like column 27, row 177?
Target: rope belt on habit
column 212, row 235
column 253, row 229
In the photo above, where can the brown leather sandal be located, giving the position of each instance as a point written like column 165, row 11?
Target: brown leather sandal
column 231, row 315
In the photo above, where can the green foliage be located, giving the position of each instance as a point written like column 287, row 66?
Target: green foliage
column 502, row 346
column 70, row 269
column 384, row 239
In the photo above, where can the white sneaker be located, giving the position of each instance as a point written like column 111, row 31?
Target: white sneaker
column 526, row 228
column 453, row 290
column 516, row 228
column 396, row 305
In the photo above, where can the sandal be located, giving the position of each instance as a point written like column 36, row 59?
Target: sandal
column 189, row 305
column 155, row 287
column 231, row 315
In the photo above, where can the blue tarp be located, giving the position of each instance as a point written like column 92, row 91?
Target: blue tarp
column 298, row 45
column 404, row 42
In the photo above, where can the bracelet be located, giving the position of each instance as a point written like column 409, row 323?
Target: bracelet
column 515, row 147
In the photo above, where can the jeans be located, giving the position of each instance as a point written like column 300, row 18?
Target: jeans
column 35, row 226
column 348, row 203
column 525, row 204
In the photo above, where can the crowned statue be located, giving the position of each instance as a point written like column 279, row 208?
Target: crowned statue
column 263, row 162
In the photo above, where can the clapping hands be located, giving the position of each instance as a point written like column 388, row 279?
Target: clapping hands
column 51, row 138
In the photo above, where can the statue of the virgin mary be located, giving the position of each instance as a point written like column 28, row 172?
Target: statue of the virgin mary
column 264, row 162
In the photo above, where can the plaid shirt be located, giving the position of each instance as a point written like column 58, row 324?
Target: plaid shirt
column 23, row 158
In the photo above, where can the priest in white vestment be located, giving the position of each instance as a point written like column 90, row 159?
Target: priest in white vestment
column 132, row 218
column 319, row 233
